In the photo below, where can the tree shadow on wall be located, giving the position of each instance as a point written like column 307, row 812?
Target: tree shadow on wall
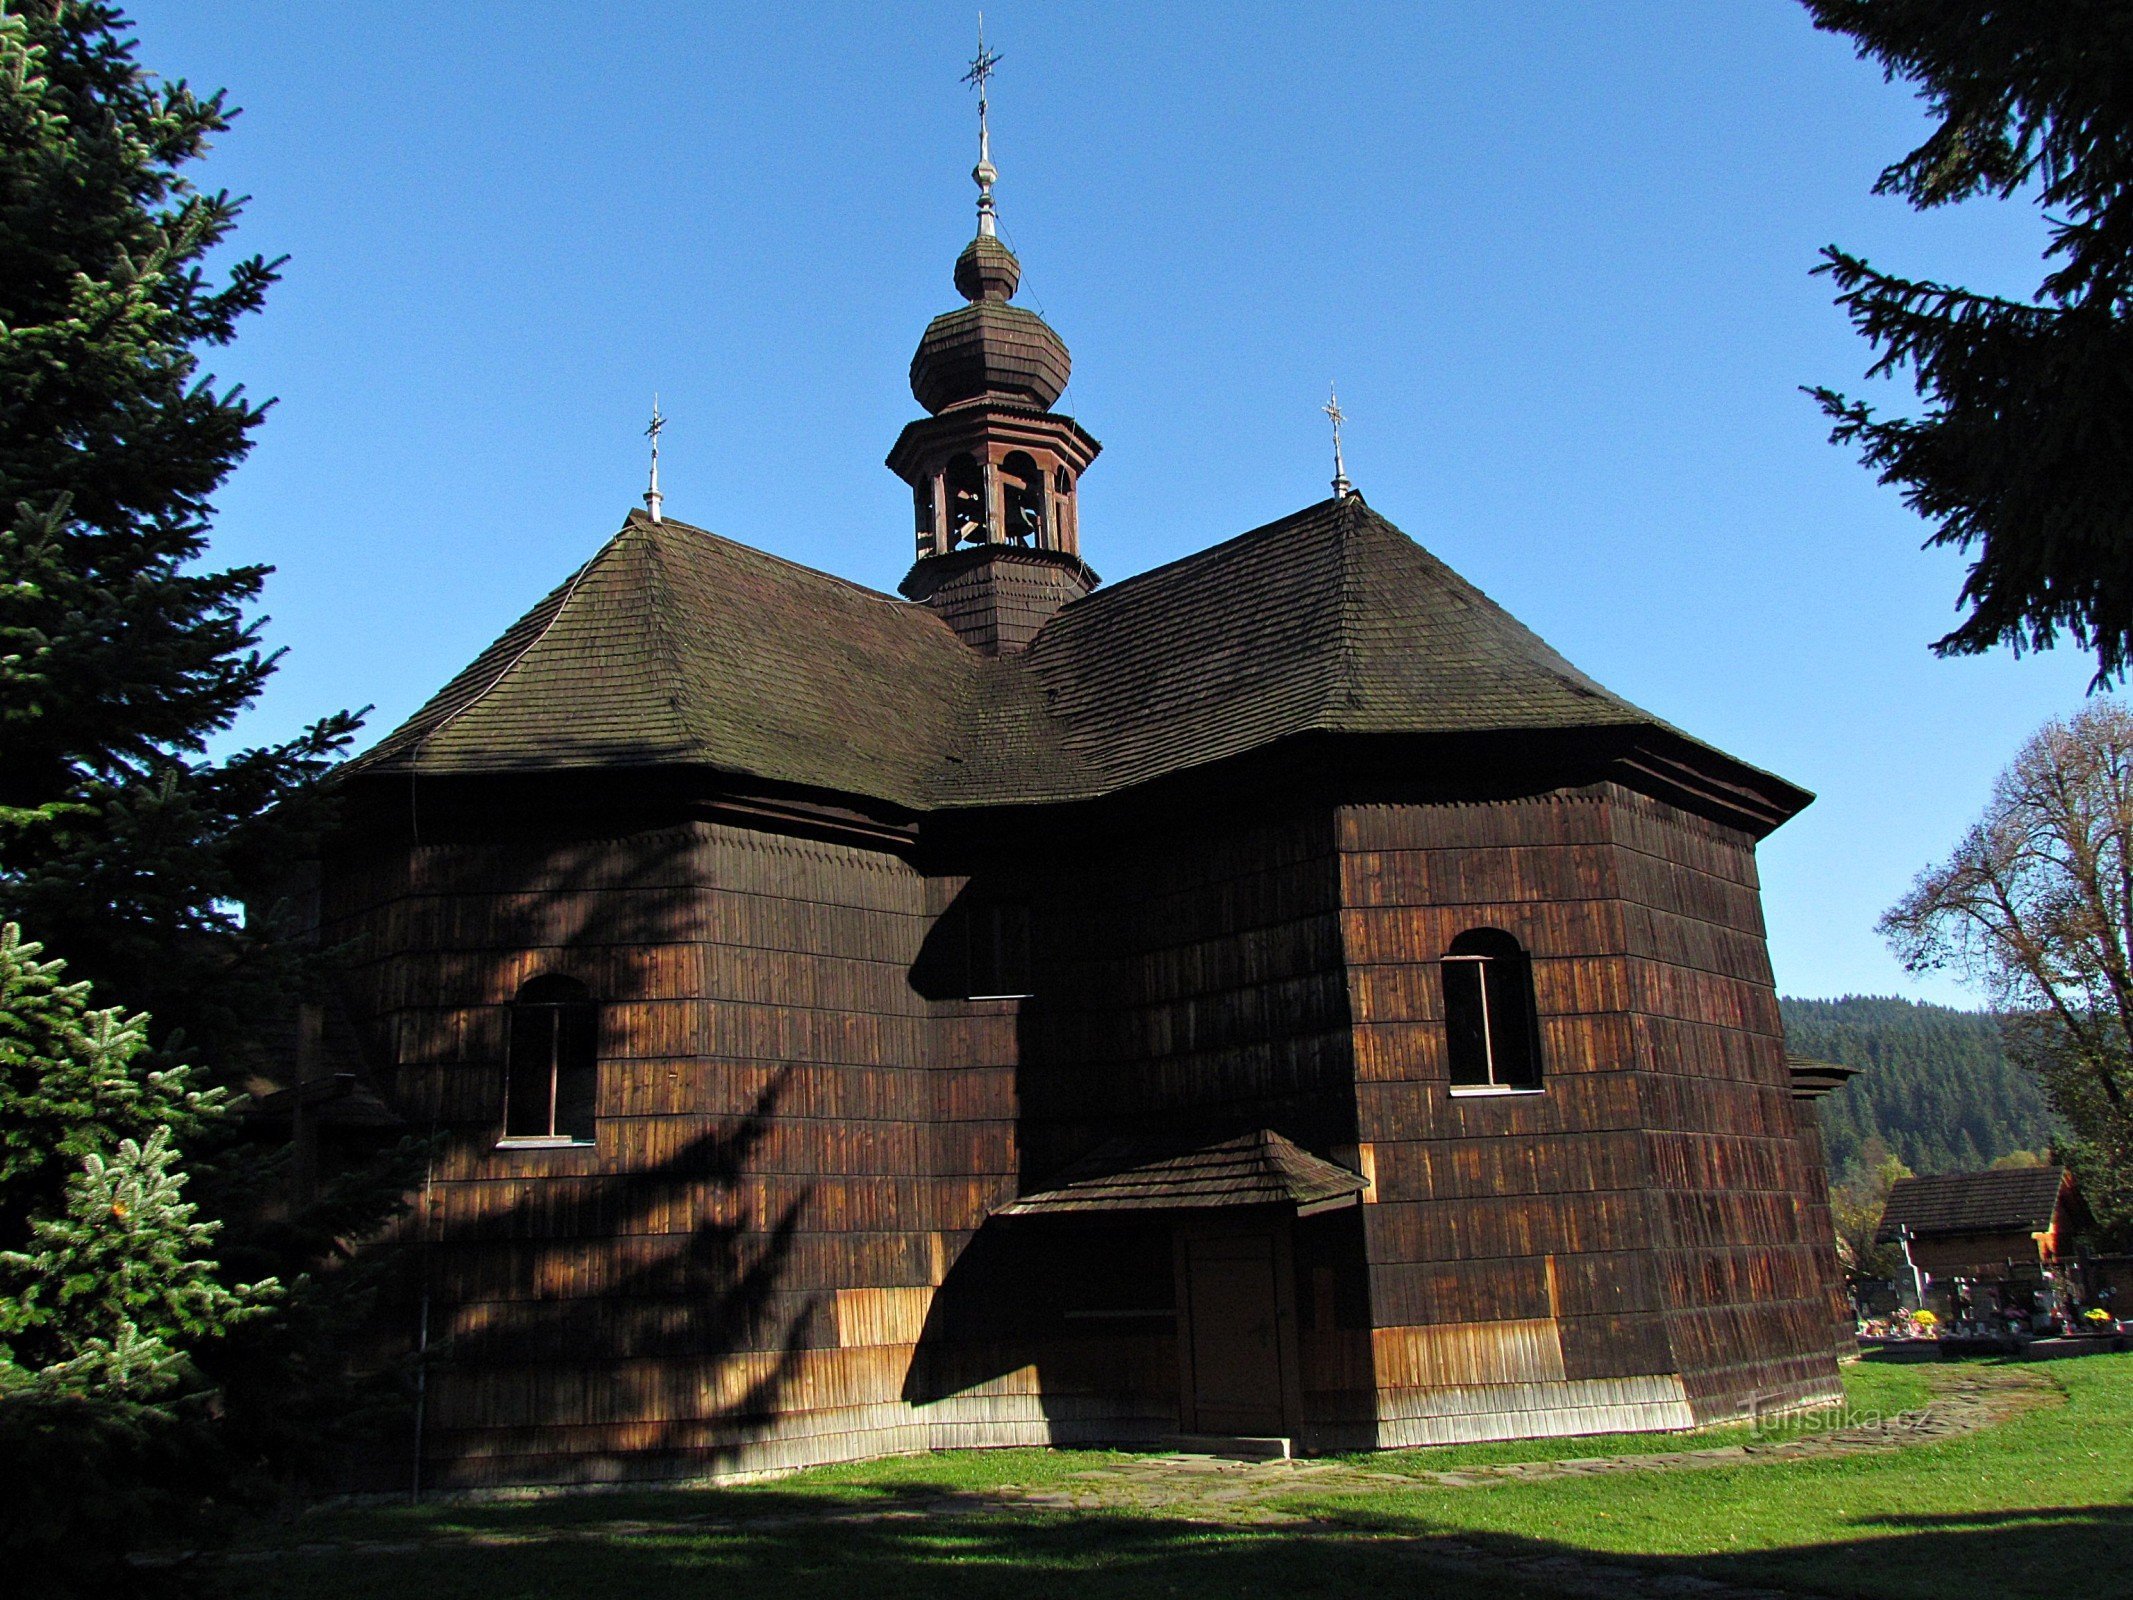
column 1086, row 1310
column 615, row 1325
column 583, row 1322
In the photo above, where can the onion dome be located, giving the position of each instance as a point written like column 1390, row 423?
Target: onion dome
column 989, row 350
column 987, row 270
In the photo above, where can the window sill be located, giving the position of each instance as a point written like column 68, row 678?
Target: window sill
column 531, row 1142
column 1489, row 1091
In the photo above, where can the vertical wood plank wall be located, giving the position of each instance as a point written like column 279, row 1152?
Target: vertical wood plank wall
column 1598, row 1207
column 777, row 1250
column 1190, row 978
column 1822, row 1228
column 1731, row 1184
column 1182, row 979
column 734, row 1275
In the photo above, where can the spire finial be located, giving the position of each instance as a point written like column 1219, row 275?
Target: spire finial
column 653, row 499
column 1342, row 488
column 984, row 173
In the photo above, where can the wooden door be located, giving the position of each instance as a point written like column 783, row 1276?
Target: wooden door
column 1233, row 1376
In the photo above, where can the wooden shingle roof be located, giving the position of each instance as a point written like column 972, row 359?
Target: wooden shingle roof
column 1185, row 1173
column 2020, row 1200
column 676, row 647
column 1812, row 1078
column 1329, row 621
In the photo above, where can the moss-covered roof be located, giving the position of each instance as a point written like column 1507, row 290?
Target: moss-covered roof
column 1192, row 1172
column 2018, row 1200
column 675, row 647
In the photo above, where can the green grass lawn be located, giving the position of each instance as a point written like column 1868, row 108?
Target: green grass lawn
column 2039, row 1506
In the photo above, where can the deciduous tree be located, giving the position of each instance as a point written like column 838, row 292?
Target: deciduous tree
column 1855, row 1203
column 2035, row 906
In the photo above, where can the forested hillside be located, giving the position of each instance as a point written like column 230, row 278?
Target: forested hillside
column 1936, row 1088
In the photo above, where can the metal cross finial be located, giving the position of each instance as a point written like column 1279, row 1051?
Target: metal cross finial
column 983, row 174
column 981, row 66
column 653, row 499
column 1342, row 488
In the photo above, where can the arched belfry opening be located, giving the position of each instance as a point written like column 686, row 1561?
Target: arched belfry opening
column 993, row 468
column 1022, row 499
column 965, row 482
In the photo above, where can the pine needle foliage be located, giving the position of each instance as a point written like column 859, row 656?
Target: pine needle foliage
column 109, row 1289
column 115, row 1285
column 2022, row 455
column 72, row 1083
column 122, row 655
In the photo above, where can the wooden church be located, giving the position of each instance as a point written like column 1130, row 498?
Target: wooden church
column 1273, row 997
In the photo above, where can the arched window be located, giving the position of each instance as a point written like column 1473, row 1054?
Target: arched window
column 1022, row 488
column 966, row 501
column 1489, row 1020
column 551, row 1082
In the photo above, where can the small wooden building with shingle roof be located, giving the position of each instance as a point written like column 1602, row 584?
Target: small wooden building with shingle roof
column 1986, row 1225
column 1276, row 994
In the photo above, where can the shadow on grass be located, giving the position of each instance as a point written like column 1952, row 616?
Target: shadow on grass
column 898, row 1553
column 2037, row 1553
column 889, row 1540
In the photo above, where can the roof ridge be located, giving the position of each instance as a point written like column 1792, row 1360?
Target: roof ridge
column 417, row 731
column 1349, row 688
column 638, row 519
column 673, row 643
column 1212, row 552
column 684, row 725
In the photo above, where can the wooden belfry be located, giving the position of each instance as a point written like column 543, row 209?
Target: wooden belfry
column 993, row 469
column 1275, row 995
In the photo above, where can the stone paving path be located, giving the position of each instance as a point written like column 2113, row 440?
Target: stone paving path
column 1966, row 1398
column 1202, row 1488
column 1215, row 1491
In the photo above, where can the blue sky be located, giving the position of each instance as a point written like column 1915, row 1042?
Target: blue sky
column 1556, row 255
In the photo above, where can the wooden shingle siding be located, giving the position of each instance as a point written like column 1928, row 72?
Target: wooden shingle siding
column 1456, row 1354
column 764, row 1147
column 1821, row 1228
column 1214, row 828
column 777, row 1248
column 1658, row 1176
column 1747, row 1308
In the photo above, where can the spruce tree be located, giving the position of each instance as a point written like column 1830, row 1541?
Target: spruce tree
column 109, row 1293
column 122, row 657
column 2022, row 456
column 105, row 1279
column 72, row 1084
column 128, row 838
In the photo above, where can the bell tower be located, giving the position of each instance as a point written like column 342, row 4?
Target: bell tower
column 995, row 473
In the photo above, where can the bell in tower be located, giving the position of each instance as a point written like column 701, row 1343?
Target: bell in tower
column 994, row 471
